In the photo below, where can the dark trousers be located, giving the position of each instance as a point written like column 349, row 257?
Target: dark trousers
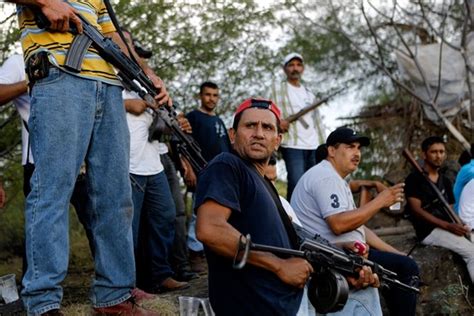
column 297, row 162
column 399, row 302
column 179, row 252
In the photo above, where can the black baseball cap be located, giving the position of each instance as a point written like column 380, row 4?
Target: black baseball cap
column 346, row 135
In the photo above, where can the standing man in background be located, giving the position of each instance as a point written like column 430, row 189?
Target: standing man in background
column 210, row 133
column 302, row 137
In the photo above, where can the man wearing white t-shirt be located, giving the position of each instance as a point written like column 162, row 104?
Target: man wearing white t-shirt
column 302, row 137
column 153, row 203
column 466, row 204
column 13, row 88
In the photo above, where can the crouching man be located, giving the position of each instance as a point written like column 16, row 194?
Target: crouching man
column 232, row 199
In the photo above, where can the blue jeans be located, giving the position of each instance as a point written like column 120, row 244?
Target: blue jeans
column 179, row 253
column 407, row 272
column 297, row 162
column 72, row 120
column 364, row 302
column 193, row 243
column 154, row 206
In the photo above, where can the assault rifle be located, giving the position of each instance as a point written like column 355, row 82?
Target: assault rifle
column 440, row 202
column 132, row 77
column 329, row 290
column 294, row 117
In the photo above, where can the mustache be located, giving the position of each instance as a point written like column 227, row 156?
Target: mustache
column 257, row 143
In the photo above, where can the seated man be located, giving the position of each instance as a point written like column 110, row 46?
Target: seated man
column 234, row 199
column 324, row 204
column 432, row 226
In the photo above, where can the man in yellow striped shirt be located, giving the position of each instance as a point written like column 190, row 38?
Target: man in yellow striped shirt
column 76, row 117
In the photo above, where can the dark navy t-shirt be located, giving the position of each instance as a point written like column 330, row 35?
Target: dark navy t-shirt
column 232, row 182
column 210, row 133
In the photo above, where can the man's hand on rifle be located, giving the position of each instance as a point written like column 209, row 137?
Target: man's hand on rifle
column 60, row 14
column 184, row 123
column 294, row 271
column 284, row 125
column 366, row 278
column 457, row 229
column 162, row 98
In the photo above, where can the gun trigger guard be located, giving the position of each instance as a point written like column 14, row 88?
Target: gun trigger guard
column 242, row 245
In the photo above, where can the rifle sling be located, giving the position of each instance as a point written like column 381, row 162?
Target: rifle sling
column 290, row 230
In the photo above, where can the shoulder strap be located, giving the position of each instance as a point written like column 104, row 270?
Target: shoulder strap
column 290, row 230
column 25, row 124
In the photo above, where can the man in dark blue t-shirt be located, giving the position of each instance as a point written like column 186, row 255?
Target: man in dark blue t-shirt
column 211, row 134
column 232, row 200
column 208, row 129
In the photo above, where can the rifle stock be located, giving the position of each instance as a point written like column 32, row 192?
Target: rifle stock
column 444, row 207
column 293, row 117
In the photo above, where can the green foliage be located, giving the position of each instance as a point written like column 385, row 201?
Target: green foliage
column 192, row 43
column 448, row 296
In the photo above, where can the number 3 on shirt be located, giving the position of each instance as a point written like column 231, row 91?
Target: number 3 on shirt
column 335, row 201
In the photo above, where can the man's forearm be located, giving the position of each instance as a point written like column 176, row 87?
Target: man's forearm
column 9, row 92
column 347, row 221
column 222, row 238
column 415, row 206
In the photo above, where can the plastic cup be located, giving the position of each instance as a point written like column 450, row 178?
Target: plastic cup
column 395, row 207
column 8, row 288
column 188, row 306
column 206, row 306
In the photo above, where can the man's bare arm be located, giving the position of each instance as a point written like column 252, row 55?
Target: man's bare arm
column 415, row 206
column 215, row 232
column 356, row 185
column 11, row 91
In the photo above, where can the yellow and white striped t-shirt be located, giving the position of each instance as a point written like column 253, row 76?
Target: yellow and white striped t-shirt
column 34, row 39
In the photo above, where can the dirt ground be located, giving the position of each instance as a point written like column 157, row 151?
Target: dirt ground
column 77, row 285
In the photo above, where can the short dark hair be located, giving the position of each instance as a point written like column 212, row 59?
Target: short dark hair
column 237, row 118
column 322, row 152
column 426, row 144
column 207, row 84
